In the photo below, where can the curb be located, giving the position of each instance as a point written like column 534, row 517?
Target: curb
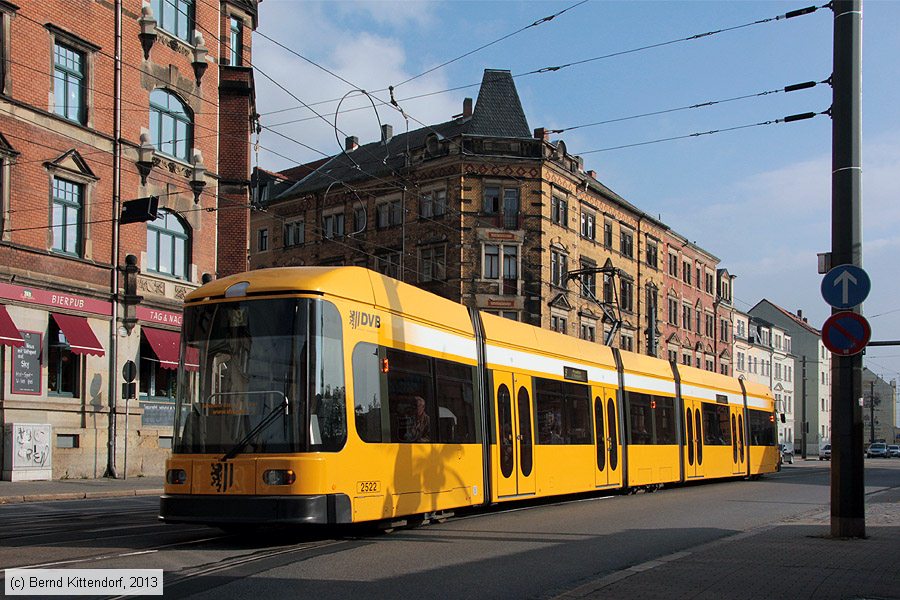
column 78, row 496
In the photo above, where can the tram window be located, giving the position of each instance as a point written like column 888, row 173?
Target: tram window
column 762, row 428
column 456, row 403
column 563, row 411
column 613, row 429
column 578, row 400
column 402, row 406
column 408, row 379
column 367, row 392
column 690, row 437
column 652, row 419
column 716, row 424
column 664, row 420
column 641, row 420
column 328, row 412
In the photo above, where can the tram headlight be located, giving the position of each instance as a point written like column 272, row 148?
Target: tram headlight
column 176, row 476
column 279, row 477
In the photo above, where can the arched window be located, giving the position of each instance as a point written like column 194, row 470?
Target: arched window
column 168, row 245
column 171, row 126
column 176, row 17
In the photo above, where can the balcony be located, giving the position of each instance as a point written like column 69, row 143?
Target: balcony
column 502, row 221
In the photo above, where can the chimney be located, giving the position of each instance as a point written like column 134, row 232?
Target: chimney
column 799, row 314
column 542, row 134
column 351, row 143
column 387, row 132
column 467, row 107
column 592, row 174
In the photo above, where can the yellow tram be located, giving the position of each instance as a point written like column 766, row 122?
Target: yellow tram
column 338, row 395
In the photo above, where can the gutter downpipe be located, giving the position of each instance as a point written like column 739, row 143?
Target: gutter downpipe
column 117, row 191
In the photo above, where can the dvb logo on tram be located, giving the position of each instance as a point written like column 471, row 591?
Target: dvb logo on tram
column 361, row 319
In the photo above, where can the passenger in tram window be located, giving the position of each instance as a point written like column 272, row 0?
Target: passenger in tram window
column 554, row 428
column 421, row 427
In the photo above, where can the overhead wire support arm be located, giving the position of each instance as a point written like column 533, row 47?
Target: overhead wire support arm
column 611, row 312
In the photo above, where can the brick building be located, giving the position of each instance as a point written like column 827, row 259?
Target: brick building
column 484, row 211
column 698, row 306
column 82, row 134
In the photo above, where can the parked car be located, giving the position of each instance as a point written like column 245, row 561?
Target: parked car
column 787, row 454
column 825, row 452
column 894, row 451
column 877, row 450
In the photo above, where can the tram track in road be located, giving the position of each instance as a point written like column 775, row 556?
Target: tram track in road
column 194, row 579
column 30, row 528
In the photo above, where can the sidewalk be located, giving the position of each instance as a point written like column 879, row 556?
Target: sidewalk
column 13, row 492
column 791, row 559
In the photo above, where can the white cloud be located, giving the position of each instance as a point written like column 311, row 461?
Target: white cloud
column 365, row 58
column 396, row 14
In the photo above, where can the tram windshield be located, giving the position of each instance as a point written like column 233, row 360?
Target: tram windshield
column 270, row 378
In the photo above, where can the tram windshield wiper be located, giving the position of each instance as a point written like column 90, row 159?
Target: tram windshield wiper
column 282, row 408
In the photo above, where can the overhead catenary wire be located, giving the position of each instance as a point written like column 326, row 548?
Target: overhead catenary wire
column 788, row 119
column 549, row 69
column 706, row 104
column 788, row 15
column 697, row 36
column 422, row 74
column 489, row 44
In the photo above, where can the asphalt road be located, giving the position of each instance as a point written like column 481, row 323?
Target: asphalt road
column 530, row 551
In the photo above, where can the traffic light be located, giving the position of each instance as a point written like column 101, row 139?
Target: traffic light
column 140, row 210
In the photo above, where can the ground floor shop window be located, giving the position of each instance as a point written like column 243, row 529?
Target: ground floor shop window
column 63, row 365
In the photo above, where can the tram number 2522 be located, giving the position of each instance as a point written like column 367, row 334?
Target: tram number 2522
column 368, row 487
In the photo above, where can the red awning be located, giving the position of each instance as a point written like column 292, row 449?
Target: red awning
column 78, row 334
column 9, row 333
column 192, row 359
column 165, row 345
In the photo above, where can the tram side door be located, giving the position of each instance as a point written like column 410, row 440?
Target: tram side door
column 514, row 462
column 738, row 450
column 525, row 435
column 693, row 439
column 608, row 446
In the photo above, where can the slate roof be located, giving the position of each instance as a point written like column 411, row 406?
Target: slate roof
column 497, row 113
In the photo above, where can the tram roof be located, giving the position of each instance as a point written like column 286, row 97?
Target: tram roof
column 352, row 283
column 536, row 340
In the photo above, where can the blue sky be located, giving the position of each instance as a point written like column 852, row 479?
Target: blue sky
column 758, row 198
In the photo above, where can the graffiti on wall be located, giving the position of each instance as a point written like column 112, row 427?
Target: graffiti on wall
column 31, row 446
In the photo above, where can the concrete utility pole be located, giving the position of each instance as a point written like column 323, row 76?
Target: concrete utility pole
column 872, row 412
column 803, row 424
column 847, row 492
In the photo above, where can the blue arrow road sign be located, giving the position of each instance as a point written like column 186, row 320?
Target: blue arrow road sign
column 846, row 333
column 846, row 286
